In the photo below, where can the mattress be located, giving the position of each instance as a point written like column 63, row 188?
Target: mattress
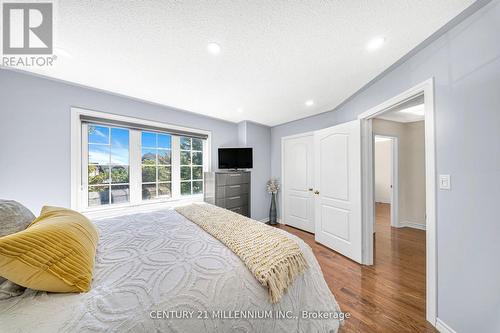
column 159, row 272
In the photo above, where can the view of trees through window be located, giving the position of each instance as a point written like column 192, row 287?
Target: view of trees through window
column 108, row 165
column 156, row 165
column 191, row 165
column 115, row 153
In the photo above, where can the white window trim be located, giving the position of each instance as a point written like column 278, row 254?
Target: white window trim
column 77, row 159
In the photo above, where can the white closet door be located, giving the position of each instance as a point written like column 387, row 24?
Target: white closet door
column 298, row 159
column 337, row 188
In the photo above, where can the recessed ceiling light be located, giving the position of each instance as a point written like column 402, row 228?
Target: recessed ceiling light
column 213, row 48
column 310, row 102
column 375, row 43
column 239, row 110
column 417, row 110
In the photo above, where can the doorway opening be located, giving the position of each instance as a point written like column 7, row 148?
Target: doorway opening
column 415, row 210
column 399, row 191
column 386, row 195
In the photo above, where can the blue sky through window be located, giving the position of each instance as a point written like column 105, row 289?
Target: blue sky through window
column 148, row 139
column 119, row 146
column 164, row 141
column 156, row 140
column 108, row 146
column 98, row 134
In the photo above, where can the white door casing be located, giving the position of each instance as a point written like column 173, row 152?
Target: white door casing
column 298, row 201
column 338, row 191
column 427, row 89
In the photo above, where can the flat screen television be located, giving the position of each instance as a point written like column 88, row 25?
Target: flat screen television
column 235, row 158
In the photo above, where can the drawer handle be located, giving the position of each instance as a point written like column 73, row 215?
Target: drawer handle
column 234, row 186
column 232, row 198
column 230, row 175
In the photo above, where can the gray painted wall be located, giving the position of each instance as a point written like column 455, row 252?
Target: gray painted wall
column 465, row 63
column 258, row 137
column 35, row 133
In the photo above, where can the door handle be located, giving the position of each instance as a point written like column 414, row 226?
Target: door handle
column 316, row 192
column 310, row 190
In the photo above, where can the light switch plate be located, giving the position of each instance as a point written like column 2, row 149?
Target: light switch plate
column 444, row 182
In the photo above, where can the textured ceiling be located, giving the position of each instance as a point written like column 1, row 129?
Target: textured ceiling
column 274, row 55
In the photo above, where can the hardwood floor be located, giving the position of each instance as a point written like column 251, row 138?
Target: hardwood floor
column 388, row 296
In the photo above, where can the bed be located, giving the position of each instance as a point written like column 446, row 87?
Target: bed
column 159, row 272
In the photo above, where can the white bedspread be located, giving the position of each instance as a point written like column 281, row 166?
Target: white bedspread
column 159, row 261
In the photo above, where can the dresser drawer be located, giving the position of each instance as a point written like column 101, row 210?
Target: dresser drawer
column 243, row 210
column 231, row 190
column 233, row 178
column 232, row 202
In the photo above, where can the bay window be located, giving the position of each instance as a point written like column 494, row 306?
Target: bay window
column 125, row 164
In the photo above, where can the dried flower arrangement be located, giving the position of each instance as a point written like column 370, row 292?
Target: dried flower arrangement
column 273, row 186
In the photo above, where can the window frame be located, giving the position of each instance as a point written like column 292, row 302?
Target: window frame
column 157, row 165
column 191, row 166
column 110, row 165
column 79, row 161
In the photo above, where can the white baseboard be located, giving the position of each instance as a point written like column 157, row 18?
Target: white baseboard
column 411, row 225
column 443, row 327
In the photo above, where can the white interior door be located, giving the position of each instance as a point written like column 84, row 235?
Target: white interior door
column 298, row 204
column 337, row 179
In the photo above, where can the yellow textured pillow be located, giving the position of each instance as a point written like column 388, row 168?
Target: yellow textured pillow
column 55, row 253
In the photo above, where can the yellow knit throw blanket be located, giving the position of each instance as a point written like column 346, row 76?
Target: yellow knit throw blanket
column 274, row 259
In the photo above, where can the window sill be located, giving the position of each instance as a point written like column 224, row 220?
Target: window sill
column 102, row 212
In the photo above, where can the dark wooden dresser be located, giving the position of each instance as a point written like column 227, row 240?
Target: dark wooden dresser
column 229, row 189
